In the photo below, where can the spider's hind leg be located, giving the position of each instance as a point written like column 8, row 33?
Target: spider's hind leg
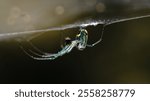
column 32, row 51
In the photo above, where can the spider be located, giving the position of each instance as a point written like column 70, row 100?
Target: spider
column 80, row 42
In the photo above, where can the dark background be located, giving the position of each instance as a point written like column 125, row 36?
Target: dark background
column 122, row 57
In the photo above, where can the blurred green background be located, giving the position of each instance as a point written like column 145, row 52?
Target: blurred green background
column 122, row 57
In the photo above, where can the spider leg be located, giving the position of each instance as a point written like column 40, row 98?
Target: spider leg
column 100, row 39
column 38, row 56
column 49, row 56
column 37, row 49
column 36, row 53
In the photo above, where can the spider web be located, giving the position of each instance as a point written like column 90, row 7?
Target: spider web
column 82, row 24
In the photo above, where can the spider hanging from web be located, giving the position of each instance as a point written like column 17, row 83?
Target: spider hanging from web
column 80, row 42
